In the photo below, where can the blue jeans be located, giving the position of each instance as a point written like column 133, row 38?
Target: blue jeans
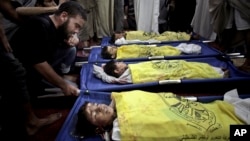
column 63, row 59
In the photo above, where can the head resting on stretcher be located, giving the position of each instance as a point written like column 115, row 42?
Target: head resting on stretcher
column 94, row 119
column 117, row 35
column 109, row 52
column 115, row 68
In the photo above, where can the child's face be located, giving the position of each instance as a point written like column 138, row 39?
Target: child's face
column 99, row 114
column 112, row 51
column 120, row 67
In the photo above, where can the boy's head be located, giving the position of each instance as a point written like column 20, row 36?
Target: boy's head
column 117, row 35
column 92, row 118
column 114, row 68
column 109, row 52
column 83, row 126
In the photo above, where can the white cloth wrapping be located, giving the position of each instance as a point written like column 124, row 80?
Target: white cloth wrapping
column 242, row 106
column 116, row 136
column 123, row 41
column 123, row 79
column 189, row 48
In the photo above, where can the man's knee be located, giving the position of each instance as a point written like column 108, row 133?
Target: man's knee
column 72, row 50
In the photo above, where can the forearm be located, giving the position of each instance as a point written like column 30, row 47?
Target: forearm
column 2, row 34
column 3, row 39
column 50, row 75
column 29, row 11
column 9, row 12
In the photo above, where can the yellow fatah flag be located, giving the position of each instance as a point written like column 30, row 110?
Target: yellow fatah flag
column 173, row 36
column 157, row 70
column 146, row 116
column 140, row 51
column 139, row 35
column 165, row 36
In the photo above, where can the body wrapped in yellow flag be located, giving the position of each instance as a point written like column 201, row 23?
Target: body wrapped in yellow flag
column 150, row 71
column 173, row 36
column 138, row 51
column 139, row 35
column 147, row 116
column 165, row 36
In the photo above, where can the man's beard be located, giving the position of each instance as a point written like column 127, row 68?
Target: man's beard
column 63, row 33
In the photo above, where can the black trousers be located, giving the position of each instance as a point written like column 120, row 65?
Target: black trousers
column 13, row 94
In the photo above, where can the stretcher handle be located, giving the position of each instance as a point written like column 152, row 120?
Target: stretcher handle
column 239, row 56
column 156, row 57
column 191, row 98
column 89, row 48
column 163, row 82
column 233, row 54
column 153, row 42
column 207, row 41
column 79, row 64
column 57, row 90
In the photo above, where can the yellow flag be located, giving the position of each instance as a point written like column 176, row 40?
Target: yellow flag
column 146, row 116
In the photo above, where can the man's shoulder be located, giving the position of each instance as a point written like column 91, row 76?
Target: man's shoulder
column 43, row 19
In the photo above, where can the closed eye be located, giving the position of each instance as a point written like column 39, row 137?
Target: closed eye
column 78, row 26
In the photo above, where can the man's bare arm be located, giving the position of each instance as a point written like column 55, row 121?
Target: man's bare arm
column 3, row 39
column 51, row 76
column 9, row 11
column 30, row 11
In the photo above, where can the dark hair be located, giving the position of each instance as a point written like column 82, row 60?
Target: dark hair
column 84, row 128
column 105, row 54
column 112, row 40
column 73, row 9
column 110, row 67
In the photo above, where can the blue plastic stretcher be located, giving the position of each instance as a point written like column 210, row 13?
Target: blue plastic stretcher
column 66, row 133
column 206, row 51
column 88, row 81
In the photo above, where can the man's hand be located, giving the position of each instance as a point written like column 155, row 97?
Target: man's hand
column 73, row 40
column 52, row 77
column 70, row 90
